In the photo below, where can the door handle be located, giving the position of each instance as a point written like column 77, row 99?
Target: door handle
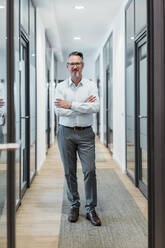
column 142, row 116
column 10, row 146
column 25, row 117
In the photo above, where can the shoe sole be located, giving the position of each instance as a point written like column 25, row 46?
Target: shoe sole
column 72, row 221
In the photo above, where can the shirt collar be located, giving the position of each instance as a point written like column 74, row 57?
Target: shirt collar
column 80, row 83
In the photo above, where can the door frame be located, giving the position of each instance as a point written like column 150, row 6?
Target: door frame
column 98, row 113
column 24, row 38
column 107, row 78
column 48, row 109
column 142, row 38
column 108, row 132
column 156, row 120
column 11, row 129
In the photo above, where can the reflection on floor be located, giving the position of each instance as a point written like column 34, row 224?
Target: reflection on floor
column 131, row 170
column 3, row 228
column 32, row 159
column 2, row 189
column 39, row 217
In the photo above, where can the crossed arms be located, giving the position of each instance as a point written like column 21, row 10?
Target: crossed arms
column 67, row 108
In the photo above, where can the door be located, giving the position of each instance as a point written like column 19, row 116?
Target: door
column 141, row 118
column 24, row 88
column 98, row 113
column 109, row 113
column 48, row 121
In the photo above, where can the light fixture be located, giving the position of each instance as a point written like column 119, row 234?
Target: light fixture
column 77, row 38
column 132, row 38
column 2, row 7
column 79, row 7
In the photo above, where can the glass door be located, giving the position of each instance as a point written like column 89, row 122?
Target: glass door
column 108, row 92
column 32, row 86
column 98, row 113
column 48, row 127
column 142, row 164
column 107, row 109
column 109, row 112
column 24, row 116
column 130, row 91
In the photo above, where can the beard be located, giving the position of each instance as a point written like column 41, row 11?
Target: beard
column 76, row 74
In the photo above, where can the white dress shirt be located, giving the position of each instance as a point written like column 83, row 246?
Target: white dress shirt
column 81, row 113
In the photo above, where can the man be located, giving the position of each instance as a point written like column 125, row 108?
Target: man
column 76, row 101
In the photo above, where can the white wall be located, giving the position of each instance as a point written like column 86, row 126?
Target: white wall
column 118, row 29
column 41, row 146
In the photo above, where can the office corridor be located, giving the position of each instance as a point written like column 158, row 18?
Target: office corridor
column 42, row 217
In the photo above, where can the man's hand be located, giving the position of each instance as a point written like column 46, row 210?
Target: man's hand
column 63, row 104
column 91, row 99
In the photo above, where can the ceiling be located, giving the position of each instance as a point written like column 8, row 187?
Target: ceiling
column 63, row 23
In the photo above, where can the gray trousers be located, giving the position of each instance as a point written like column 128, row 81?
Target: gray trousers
column 70, row 143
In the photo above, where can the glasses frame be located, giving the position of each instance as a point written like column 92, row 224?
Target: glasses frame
column 75, row 64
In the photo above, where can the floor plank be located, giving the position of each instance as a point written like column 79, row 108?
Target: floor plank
column 38, row 218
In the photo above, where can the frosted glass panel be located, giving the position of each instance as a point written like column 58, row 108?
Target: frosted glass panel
column 17, row 119
column 23, row 115
column 130, row 91
column 140, row 15
column 32, row 119
column 110, row 102
column 108, row 93
column 25, row 14
column 32, row 91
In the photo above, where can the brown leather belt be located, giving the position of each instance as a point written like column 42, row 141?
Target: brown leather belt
column 78, row 128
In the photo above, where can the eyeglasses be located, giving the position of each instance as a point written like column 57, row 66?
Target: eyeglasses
column 73, row 64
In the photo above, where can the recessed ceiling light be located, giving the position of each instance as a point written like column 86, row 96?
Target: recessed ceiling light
column 77, row 38
column 79, row 7
column 132, row 38
column 2, row 7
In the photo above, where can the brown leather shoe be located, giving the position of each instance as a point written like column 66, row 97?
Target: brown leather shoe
column 93, row 217
column 73, row 215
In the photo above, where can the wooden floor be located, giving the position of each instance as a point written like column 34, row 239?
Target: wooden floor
column 38, row 218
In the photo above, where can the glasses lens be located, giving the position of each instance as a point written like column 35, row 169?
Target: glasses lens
column 74, row 64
